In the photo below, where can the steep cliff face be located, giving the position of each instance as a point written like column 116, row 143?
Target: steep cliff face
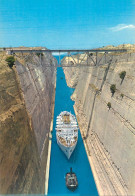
column 109, row 135
column 26, row 98
column 37, row 83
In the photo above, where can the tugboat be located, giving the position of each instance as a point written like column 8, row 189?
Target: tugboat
column 71, row 180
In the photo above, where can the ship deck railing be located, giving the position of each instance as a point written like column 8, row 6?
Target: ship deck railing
column 69, row 136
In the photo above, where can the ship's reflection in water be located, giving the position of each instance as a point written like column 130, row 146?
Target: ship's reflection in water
column 59, row 164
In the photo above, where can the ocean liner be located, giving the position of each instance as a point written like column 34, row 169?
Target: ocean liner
column 66, row 132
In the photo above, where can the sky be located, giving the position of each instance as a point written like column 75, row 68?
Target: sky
column 66, row 24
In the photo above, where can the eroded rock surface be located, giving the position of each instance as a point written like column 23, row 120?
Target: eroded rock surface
column 109, row 135
column 37, row 83
column 26, row 99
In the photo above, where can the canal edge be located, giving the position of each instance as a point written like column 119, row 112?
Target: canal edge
column 90, row 160
column 50, row 142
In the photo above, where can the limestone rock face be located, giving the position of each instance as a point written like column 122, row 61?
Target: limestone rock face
column 25, row 113
column 37, row 83
column 110, row 134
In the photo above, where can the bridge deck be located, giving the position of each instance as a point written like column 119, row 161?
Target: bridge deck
column 65, row 50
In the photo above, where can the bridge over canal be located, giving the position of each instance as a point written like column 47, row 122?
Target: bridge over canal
column 91, row 57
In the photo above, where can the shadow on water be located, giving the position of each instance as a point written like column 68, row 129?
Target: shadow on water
column 59, row 164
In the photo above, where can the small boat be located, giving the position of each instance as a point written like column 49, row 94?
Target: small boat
column 71, row 180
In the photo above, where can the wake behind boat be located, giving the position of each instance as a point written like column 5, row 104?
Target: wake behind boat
column 66, row 132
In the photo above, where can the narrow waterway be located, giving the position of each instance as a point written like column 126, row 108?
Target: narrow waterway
column 59, row 164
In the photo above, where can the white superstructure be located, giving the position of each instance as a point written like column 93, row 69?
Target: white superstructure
column 66, row 132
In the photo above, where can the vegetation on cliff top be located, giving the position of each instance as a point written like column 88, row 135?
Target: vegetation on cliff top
column 39, row 53
column 10, row 60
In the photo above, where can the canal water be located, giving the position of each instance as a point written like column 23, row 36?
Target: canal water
column 59, row 164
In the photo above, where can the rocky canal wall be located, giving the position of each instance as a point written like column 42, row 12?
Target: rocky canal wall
column 26, row 103
column 109, row 134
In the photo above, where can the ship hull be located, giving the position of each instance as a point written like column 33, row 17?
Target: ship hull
column 67, row 150
column 66, row 132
